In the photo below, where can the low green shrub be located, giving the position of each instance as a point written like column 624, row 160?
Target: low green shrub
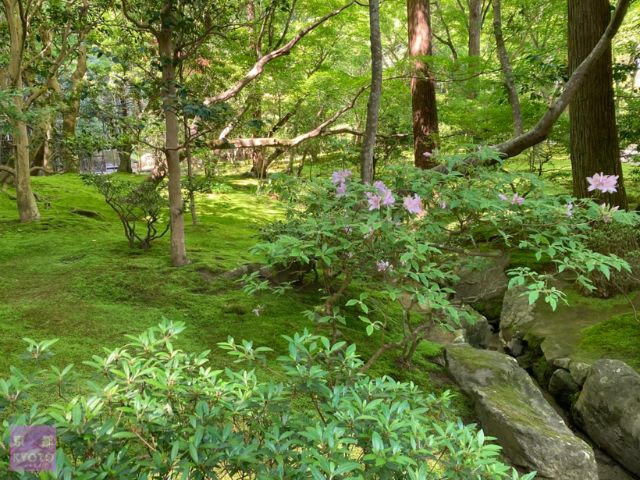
column 135, row 204
column 161, row 413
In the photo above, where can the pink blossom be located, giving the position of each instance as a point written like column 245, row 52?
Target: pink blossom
column 385, row 193
column 427, row 154
column 502, row 197
column 413, row 204
column 603, row 183
column 383, row 265
column 375, row 201
column 341, row 190
column 340, row 176
column 203, row 62
column 517, row 199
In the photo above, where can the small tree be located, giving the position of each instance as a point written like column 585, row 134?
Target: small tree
column 135, row 205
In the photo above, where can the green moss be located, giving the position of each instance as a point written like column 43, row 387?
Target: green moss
column 617, row 338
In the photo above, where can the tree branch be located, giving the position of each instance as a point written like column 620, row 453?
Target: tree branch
column 258, row 67
column 541, row 130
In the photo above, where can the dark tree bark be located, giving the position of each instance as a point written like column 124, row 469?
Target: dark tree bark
column 541, row 130
column 594, row 135
column 507, row 72
column 125, row 149
column 373, row 106
column 423, row 92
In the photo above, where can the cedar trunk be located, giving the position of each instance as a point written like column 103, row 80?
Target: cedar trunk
column 423, row 92
column 594, row 136
column 176, row 206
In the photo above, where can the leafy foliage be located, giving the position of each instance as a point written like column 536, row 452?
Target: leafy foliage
column 409, row 250
column 134, row 203
column 161, row 412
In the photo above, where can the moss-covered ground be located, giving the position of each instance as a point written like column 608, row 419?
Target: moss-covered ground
column 75, row 278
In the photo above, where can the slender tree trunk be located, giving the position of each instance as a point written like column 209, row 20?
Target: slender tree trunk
column 373, row 106
column 176, row 206
column 594, row 135
column 507, row 71
column 70, row 113
column 475, row 30
column 26, row 202
column 125, row 149
column 423, row 92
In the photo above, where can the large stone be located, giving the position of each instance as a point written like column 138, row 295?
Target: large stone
column 563, row 387
column 516, row 318
column 511, row 408
column 608, row 410
column 482, row 284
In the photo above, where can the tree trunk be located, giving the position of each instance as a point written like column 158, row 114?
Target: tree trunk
column 475, row 30
column 176, row 206
column 373, row 106
column 26, row 202
column 593, row 131
column 507, row 72
column 125, row 148
column 423, row 92
column 70, row 113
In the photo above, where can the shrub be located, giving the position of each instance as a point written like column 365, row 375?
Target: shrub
column 163, row 413
column 388, row 250
column 621, row 240
column 135, row 204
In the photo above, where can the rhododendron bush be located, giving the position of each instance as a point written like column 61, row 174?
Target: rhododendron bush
column 156, row 412
column 402, row 240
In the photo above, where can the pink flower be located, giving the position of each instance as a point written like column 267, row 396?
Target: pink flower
column 413, row 204
column 340, row 176
column 383, row 265
column 203, row 62
column 603, row 183
column 427, row 154
column 341, row 190
column 385, row 193
column 517, row 199
column 502, row 197
column 375, row 201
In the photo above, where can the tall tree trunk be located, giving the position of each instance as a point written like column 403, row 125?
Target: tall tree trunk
column 26, row 201
column 70, row 113
column 507, row 71
column 423, row 92
column 592, row 121
column 373, row 106
column 475, row 30
column 176, row 206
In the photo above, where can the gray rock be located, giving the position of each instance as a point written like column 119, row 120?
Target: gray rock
column 608, row 410
column 563, row 362
column 562, row 387
column 511, row 408
column 516, row 316
column 482, row 283
column 473, row 329
column 579, row 372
